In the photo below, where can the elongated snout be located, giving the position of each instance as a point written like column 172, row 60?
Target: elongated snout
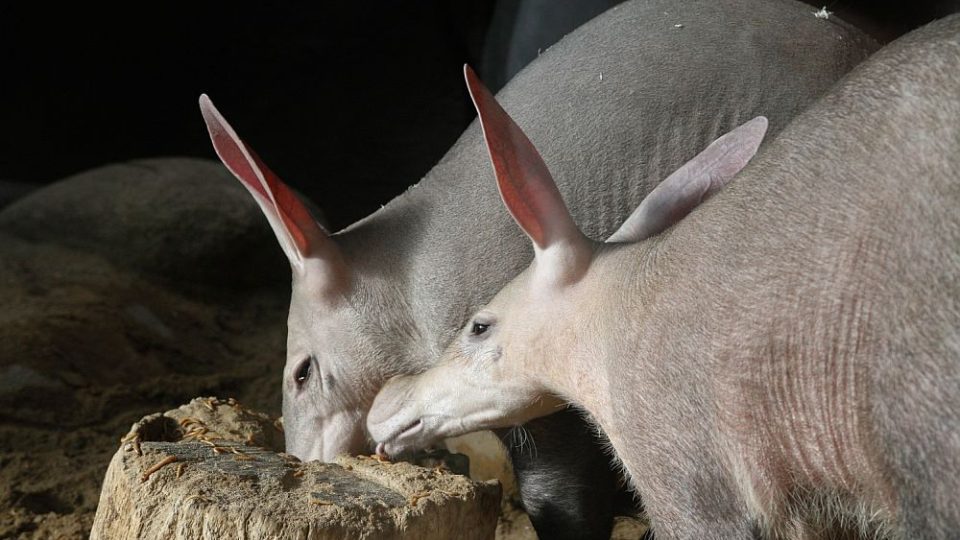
column 412, row 412
column 397, row 420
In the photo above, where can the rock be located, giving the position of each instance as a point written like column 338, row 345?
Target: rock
column 183, row 221
column 11, row 191
column 210, row 470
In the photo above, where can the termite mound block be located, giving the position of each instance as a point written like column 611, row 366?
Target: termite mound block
column 211, row 469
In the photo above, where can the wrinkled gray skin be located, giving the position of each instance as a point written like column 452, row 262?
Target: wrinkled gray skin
column 612, row 107
column 785, row 359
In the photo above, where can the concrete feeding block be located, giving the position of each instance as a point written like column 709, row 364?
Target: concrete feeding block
column 210, row 469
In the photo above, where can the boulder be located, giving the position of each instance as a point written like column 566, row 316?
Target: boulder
column 11, row 191
column 186, row 222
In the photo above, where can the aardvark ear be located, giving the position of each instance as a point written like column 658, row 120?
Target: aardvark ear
column 693, row 182
column 306, row 244
column 528, row 189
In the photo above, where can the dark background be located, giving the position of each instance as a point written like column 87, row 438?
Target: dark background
column 350, row 102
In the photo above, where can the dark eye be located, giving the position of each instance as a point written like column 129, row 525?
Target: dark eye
column 303, row 372
column 478, row 328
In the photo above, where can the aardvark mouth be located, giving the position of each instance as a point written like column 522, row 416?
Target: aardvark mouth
column 411, row 429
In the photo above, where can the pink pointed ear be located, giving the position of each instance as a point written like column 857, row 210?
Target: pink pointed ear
column 525, row 184
column 692, row 183
column 298, row 233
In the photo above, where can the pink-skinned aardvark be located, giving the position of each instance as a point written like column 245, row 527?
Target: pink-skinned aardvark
column 784, row 361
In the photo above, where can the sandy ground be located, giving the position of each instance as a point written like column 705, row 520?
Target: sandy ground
column 79, row 364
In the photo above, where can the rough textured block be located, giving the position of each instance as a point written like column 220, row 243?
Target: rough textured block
column 209, row 470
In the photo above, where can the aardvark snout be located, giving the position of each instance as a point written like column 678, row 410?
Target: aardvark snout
column 395, row 412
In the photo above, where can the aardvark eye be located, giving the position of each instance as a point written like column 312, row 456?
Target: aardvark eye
column 303, row 372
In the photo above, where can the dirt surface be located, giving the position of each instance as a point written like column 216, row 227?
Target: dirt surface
column 93, row 365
